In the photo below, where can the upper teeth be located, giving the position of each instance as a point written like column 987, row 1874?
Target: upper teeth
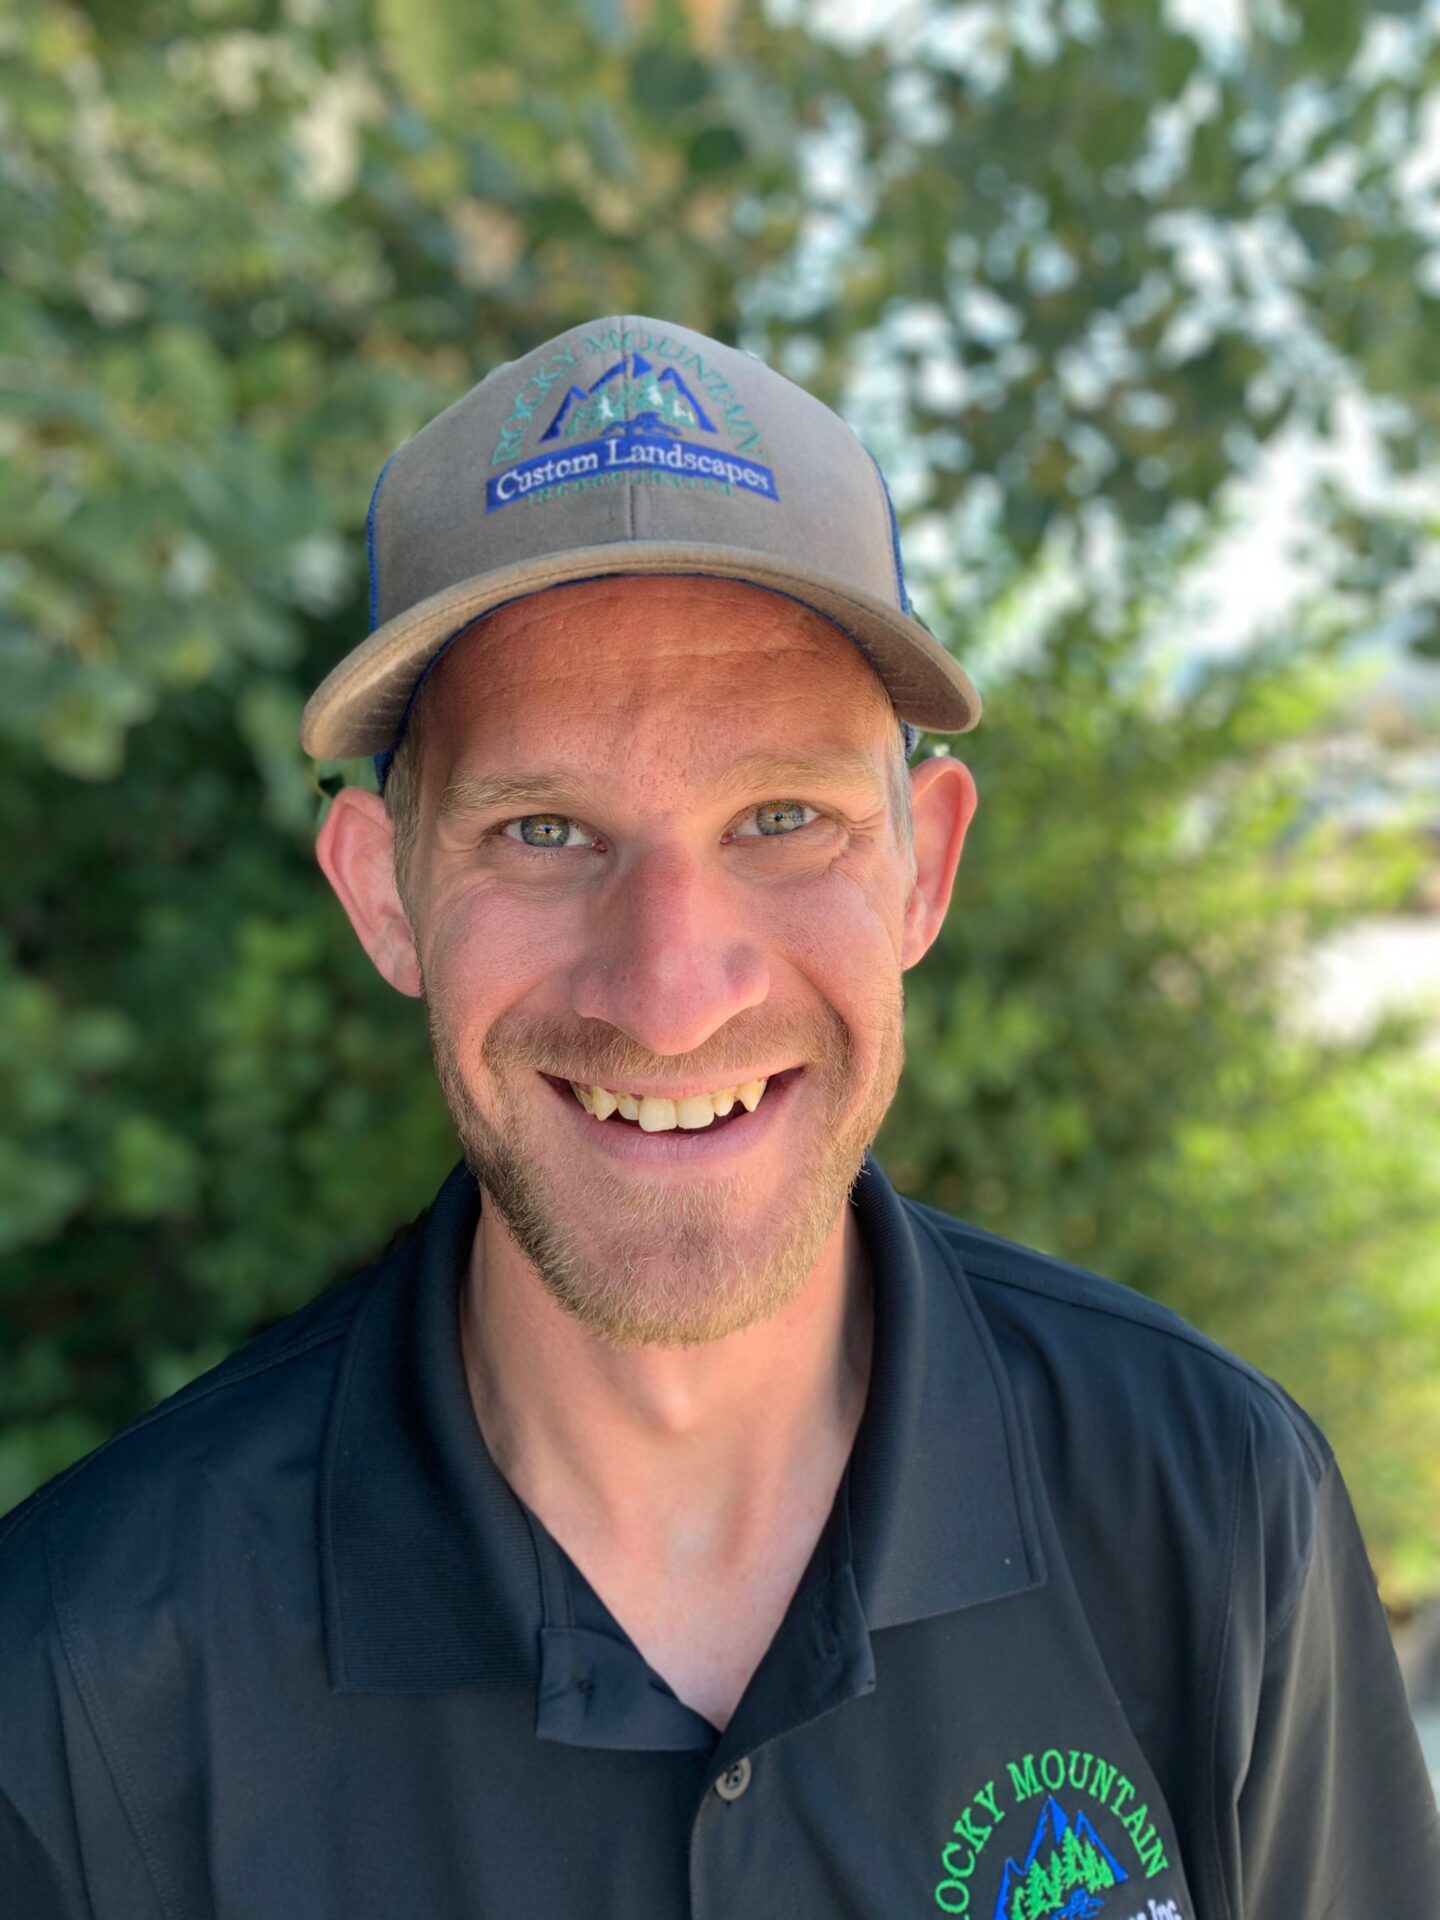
column 662, row 1116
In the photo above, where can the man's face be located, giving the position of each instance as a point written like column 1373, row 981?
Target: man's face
column 657, row 856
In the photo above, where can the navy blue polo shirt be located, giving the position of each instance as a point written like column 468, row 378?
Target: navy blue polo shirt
column 1090, row 1631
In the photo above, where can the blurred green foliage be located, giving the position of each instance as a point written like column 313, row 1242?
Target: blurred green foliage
column 1069, row 271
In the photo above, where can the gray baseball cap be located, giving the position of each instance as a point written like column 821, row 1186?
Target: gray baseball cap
column 626, row 446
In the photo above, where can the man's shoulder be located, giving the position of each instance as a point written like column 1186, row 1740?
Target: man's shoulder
column 246, row 1428
column 1134, row 1363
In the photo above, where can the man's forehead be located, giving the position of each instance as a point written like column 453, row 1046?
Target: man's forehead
column 716, row 669
column 673, row 632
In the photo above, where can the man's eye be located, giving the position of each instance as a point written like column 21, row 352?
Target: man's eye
column 780, row 817
column 545, row 830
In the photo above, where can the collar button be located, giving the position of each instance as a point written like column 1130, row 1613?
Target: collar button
column 735, row 1779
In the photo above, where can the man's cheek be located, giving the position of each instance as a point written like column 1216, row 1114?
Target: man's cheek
column 851, row 960
column 499, row 947
column 849, row 917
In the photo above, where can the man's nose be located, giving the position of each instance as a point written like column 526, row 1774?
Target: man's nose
column 668, row 960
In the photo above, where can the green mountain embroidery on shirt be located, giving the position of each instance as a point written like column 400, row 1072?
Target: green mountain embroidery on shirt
column 1068, row 1865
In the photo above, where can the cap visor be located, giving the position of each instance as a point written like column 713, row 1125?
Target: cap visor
column 357, row 708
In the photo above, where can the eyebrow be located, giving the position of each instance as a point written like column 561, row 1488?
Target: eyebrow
column 776, row 772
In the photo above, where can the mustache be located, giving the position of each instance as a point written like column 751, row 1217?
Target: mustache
column 591, row 1052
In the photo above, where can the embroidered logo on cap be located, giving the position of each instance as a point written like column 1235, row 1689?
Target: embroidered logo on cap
column 1074, row 1863
column 636, row 418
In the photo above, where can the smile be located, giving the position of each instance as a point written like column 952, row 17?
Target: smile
column 655, row 1114
column 679, row 1146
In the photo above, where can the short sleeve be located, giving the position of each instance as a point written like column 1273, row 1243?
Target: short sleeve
column 1328, row 1806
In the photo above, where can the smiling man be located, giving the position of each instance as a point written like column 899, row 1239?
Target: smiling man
column 678, row 1522
column 659, row 889
column 674, row 976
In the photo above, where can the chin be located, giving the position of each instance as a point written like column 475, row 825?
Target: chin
column 672, row 1265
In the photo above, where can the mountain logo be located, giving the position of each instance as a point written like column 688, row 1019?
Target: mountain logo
column 655, row 403
column 1064, row 1875
column 637, row 420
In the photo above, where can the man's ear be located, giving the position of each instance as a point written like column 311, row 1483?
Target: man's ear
column 943, row 799
column 356, row 849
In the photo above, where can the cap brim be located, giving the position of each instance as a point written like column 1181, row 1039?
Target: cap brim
column 357, row 708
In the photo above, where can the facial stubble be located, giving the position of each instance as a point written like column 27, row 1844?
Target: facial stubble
column 661, row 1263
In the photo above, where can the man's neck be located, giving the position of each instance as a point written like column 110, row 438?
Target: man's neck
column 671, row 1475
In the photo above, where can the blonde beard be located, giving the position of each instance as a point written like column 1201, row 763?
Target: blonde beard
column 664, row 1266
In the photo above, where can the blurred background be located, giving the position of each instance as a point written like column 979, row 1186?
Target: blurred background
column 1138, row 305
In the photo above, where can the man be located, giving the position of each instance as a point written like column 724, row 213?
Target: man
column 679, row 1522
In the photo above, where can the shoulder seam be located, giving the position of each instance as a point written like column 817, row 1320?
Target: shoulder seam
column 1221, row 1647
column 1284, row 1623
column 1004, row 1273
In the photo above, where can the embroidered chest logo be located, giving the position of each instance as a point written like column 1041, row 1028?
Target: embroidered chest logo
column 1066, row 1870
column 1070, row 1860
column 656, row 412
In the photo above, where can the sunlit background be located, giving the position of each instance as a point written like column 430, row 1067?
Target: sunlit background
column 1139, row 306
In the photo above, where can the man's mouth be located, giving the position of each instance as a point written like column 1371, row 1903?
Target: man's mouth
column 657, row 1113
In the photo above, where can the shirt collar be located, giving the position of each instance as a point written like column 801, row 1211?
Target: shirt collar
column 427, row 1565
column 941, row 1505
column 429, row 1569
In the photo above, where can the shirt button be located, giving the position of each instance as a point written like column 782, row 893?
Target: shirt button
column 735, row 1779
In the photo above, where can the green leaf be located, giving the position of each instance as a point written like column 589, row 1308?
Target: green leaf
column 713, row 150
column 663, row 81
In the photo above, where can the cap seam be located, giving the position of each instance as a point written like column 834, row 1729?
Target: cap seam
column 627, row 326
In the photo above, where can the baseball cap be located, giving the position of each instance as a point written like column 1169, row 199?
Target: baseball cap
column 626, row 445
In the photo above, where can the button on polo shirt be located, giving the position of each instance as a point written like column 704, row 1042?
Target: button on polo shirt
column 1089, row 1629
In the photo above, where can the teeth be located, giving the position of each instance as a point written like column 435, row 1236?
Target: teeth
column 657, row 1115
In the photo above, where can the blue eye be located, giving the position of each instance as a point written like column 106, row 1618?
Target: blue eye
column 783, row 816
column 542, row 829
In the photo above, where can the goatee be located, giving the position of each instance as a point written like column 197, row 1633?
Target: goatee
column 665, row 1264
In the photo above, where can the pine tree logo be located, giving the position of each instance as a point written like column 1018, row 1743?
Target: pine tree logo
column 1064, row 1875
column 648, row 402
